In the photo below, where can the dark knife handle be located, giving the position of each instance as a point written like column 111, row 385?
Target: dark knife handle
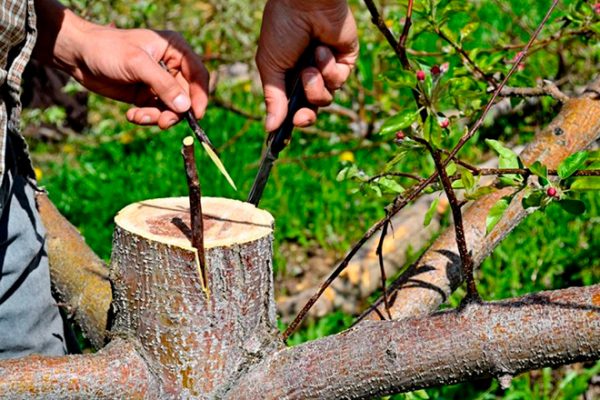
column 297, row 100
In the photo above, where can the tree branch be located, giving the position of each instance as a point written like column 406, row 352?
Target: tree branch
column 483, row 340
column 79, row 276
column 116, row 372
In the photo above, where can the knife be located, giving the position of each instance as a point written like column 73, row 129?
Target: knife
column 279, row 138
column 203, row 139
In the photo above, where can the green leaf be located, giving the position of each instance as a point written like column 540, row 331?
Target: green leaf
column 429, row 214
column 572, row 164
column 537, row 168
column 534, row 200
column 347, row 173
column 508, row 158
column 467, row 179
column 575, row 207
column 433, row 131
column 468, row 29
column 451, row 168
column 390, row 184
column 400, row 121
column 480, row 192
column 403, row 79
column 496, row 213
column 586, row 183
column 351, row 172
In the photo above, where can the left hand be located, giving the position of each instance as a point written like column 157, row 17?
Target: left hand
column 123, row 64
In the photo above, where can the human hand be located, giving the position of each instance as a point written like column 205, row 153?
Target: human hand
column 288, row 27
column 123, row 64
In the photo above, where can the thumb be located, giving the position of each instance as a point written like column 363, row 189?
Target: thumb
column 166, row 87
column 275, row 98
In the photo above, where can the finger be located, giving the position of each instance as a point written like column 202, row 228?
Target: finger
column 192, row 75
column 167, row 119
column 273, row 82
column 152, row 116
column 196, row 75
column 160, row 81
column 334, row 73
column 143, row 115
column 305, row 117
column 314, row 87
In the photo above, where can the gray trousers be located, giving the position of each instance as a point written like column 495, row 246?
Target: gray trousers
column 30, row 322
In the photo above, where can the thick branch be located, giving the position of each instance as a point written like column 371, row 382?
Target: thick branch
column 116, row 372
column 483, row 340
column 424, row 286
column 78, row 275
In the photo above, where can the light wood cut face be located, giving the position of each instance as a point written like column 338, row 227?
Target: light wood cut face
column 167, row 221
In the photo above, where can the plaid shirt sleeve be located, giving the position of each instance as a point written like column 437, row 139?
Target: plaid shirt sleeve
column 17, row 39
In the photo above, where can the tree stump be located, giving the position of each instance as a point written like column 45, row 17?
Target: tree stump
column 197, row 337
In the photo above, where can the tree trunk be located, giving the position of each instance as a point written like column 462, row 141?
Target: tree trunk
column 196, row 336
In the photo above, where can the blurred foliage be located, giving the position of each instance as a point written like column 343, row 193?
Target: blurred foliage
column 325, row 190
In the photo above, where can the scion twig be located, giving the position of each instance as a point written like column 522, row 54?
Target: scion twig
column 195, row 194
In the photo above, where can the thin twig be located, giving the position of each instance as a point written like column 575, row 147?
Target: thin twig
column 379, row 22
column 401, row 174
column 379, row 253
column 467, row 58
column 195, row 195
column 461, row 241
column 401, row 46
column 547, row 88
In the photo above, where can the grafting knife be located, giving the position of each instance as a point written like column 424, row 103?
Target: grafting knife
column 278, row 139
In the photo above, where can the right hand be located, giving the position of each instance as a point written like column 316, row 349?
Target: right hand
column 287, row 29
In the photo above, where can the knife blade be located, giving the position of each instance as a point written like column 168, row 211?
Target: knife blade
column 279, row 139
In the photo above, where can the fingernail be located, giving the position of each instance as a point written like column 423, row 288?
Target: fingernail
column 321, row 54
column 181, row 103
column 269, row 121
column 171, row 123
column 145, row 119
column 312, row 79
column 305, row 123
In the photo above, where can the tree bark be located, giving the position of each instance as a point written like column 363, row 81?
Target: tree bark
column 79, row 276
column 429, row 283
column 197, row 336
column 375, row 358
column 115, row 372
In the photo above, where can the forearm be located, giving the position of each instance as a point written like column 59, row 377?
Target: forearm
column 60, row 33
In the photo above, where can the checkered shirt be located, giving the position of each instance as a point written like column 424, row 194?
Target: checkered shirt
column 17, row 38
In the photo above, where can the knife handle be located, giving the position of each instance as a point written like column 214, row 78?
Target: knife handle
column 297, row 100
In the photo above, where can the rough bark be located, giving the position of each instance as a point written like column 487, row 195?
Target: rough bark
column 116, row 372
column 483, row 340
column 428, row 283
column 79, row 276
column 195, row 338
